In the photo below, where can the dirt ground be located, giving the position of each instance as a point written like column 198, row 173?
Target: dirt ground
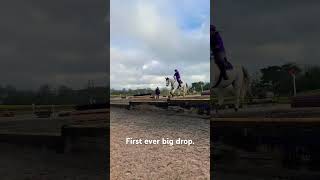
column 158, row 161
column 28, row 163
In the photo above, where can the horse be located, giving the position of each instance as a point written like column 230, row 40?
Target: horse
column 174, row 86
column 238, row 78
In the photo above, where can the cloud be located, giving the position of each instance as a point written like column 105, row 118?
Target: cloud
column 42, row 41
column 152, row 38
column 259, row 34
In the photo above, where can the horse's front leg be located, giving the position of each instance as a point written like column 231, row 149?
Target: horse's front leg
column 179, row 89
column 172, row 92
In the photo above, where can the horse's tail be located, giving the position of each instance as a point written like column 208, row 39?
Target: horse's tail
column 245, row 74
column 246, row 83
column 187, row 89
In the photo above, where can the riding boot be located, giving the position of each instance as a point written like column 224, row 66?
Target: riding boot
column 222, row 70
column 180, row 82
column 224, row 74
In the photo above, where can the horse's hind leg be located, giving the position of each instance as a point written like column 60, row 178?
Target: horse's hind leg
column 236, row 106
column 243, row 93
column 237, row 90
column 170, row 94
column 220, row 99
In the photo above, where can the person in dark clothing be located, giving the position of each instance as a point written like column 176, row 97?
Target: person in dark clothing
column 157, row 92
column 177, row 77
column 218, row 51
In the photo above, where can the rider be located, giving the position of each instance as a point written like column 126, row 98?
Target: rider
column 218, row 51
column 177, row 77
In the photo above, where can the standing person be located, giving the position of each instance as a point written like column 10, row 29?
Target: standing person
column 157, row 92
column 218, row 51
column 177, row 77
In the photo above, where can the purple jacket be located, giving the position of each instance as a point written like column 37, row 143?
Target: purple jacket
column 216, row 43
column 177, row 75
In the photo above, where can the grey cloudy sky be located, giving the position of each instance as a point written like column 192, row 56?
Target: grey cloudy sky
column 258, row 33
column 64, row 42
column 55, row 42
column 149, row 39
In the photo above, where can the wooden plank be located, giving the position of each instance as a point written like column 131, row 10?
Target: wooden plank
column 154, row 103
column 89, row 112
column 207, row 92
column 271, row 112
column 84, row 131
column 193, row 97
column 119, row 105
column 306, row 101
column 189, row 102
column 268, row 120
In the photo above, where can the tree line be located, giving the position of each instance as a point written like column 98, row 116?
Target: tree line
column 278, row 80
column 272, row 78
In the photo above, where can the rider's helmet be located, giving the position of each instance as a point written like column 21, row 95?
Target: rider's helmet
column 175, row 70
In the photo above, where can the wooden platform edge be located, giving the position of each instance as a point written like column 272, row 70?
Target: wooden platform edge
column 268, row 120
column 56, row 141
